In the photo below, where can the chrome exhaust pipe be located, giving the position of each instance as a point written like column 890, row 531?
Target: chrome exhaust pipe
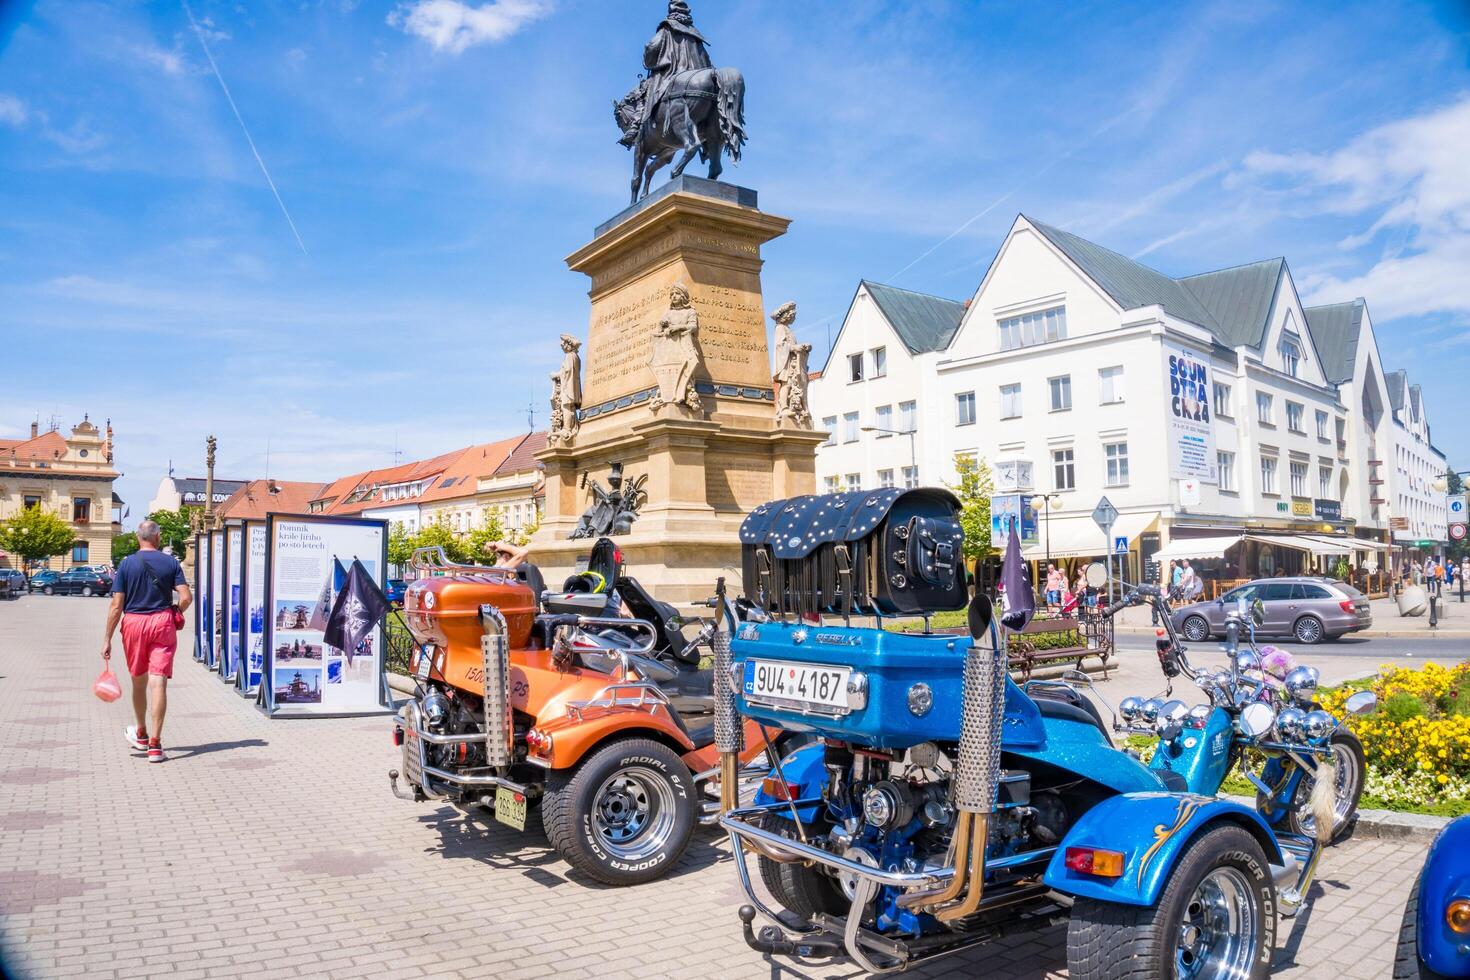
column 495, row 651
column 729, row 733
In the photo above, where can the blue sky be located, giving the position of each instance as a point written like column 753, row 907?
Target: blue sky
column 439, row 159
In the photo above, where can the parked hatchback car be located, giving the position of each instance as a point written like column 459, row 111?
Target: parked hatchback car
column 80, row 581
column 42, row 578
column 1308, row 609
column 12, row 582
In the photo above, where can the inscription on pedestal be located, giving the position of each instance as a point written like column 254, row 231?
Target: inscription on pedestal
column 738, row 483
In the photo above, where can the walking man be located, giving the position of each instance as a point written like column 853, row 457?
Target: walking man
column 143, row 599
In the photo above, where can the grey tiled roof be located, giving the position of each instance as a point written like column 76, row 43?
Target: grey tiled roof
column 191, row 484
column 1130, row 283
column 1398, row 383
column 1336, row 329
column 1239, row 299
column 924, row 323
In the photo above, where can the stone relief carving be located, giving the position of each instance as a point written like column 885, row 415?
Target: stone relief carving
column 673, row 356
column 791, row 371
column 566, row 394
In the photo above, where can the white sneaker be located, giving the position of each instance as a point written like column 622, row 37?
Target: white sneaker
column 134, row 741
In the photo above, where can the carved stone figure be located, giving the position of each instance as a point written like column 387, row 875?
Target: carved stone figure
column 791, row 371
column 566, row 393
column 673, row 357
column 683, row 103
column 614, row 508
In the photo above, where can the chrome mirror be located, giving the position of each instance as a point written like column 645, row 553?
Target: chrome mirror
column 1361, row 703
column 1258, row 612
column 1097, row 575
column 1256, row 719
column 1170, row 722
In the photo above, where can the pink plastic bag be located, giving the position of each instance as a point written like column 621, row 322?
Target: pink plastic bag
column 106, row 686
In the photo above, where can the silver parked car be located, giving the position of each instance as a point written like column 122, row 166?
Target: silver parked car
column 1309, row 609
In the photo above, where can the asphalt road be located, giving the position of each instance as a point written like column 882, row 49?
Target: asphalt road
column 1375, row 649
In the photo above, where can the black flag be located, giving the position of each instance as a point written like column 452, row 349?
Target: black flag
column 359, row 608
column 1020, row 603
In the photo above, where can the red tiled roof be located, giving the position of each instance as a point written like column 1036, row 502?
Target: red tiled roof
column 523, row 457
column 255, row 499
column 460, row 478
column 45, row 447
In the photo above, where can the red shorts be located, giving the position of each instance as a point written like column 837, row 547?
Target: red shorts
column 149, row 641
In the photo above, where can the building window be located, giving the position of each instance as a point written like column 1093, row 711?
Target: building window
column 964, row 408
column 908, row 416
column 29, row 501
column 910, row 477
column 79, row 553
column 1322, row 426
column 854, row 482
column 830, row 424
column 1324, row 482
column 1226, row 462
column 81, row 509
column 855, row 367
column 1033, row 328
column 1064, row 473
column 1010, row 401
column 1061, row 393
column 1298, row 479
column 1117, row 457
column 1222, row 401
column 1110, row 385
column 1268, row 474
column 883, row 419
column 850, row 427
column 1264, row 412
column 831, row 483
column 880, row 362
column 885, row 478
column 1291, row 354
column 1294, row 413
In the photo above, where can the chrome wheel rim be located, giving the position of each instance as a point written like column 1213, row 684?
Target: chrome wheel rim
column 1346, row 779
column 1217, row 934
column 1196, row 629
column 1309, row 631
column 633, row 813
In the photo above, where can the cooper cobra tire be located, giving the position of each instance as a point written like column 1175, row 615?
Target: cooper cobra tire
column 1109, row 941
column 1406, row 962
column 803, row 890
column 624, row 815
column 1349, row 751
column 1196, row 629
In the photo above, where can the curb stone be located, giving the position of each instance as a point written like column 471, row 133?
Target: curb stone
column 1417, row 828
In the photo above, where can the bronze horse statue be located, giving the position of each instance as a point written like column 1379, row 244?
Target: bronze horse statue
column 701, row 111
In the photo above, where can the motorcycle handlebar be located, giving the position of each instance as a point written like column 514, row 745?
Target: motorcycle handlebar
column 1113, row 609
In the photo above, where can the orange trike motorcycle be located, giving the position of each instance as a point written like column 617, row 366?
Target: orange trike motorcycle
column 565, row 702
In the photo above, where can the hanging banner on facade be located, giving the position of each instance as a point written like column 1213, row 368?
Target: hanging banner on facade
column 1191, row 434
column 234, row 569
column 306, row 562
column 203, row 623
column 252, row 635
column 216, row 599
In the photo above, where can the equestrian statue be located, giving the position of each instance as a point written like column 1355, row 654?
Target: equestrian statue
column 684, row 103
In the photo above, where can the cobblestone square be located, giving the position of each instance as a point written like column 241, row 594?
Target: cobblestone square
column 276, row 849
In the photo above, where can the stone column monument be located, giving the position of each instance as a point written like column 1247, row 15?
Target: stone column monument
column 675, row 435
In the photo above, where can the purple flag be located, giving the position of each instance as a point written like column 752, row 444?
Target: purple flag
column 1019, row 602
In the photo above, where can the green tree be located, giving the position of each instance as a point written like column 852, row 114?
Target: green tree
column 173, row 526
column 974, row 489
column 524, row 534
column 122, row 546
column 35, row 535
column 441, row 534
column 489, row 530
column 400, row 545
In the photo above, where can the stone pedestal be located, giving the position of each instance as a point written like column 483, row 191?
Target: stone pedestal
column 706, row 470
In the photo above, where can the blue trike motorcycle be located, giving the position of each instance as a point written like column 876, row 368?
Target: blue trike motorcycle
column 942, row 806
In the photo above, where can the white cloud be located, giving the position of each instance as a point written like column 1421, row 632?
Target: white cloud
column 1411, row 178
column 169, row 62
column 452, row 25
column 12, row 110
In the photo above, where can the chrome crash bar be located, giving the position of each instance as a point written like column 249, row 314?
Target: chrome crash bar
column 444, row 775
column 432, row 559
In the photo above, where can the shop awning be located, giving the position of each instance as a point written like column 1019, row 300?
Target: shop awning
column 1195, row 548
column 1080, row 537
column 1301, row 542
column 1350, row 544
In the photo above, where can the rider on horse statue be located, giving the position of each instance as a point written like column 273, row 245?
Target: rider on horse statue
column 676, row 47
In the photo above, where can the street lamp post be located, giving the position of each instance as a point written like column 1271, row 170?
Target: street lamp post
column 913, row 453
column 1046, row 518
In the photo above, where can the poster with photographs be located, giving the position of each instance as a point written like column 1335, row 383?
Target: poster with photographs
column 203, row 623
column 234, row 565
column 306, row 566
column 252, row 633
column 216, row 599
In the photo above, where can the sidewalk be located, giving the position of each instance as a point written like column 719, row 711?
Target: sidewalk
column 1454, row 620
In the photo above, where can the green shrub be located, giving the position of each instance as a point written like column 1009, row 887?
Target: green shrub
column 1399, row 708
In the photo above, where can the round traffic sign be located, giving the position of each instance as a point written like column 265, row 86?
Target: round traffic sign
column 1457, row 532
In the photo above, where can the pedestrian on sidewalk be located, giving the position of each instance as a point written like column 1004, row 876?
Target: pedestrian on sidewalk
column 1055, row 583
column 143, row 600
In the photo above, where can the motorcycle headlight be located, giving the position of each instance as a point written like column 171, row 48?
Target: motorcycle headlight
column 1290, row 724
column 1319, row 724
column 1130, row 708
column 1247, row 660
column 1301, row 685
column 1151, row 709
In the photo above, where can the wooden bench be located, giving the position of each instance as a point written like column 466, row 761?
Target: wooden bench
column 1094, row 640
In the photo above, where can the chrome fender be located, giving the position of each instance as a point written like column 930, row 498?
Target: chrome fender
column 1151, row 830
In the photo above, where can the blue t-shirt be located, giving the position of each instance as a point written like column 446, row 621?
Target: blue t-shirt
column 134, row 582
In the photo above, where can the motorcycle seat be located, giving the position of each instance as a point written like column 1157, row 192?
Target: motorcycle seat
column 700, row 729
column 1054, row 703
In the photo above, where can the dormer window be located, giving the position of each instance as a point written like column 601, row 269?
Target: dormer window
column 1031, row 329
column 1291, row 353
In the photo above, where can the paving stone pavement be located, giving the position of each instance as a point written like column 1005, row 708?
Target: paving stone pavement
column 275, row 849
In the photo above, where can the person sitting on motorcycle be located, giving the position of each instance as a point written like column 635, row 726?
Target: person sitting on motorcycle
column 513, row 556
